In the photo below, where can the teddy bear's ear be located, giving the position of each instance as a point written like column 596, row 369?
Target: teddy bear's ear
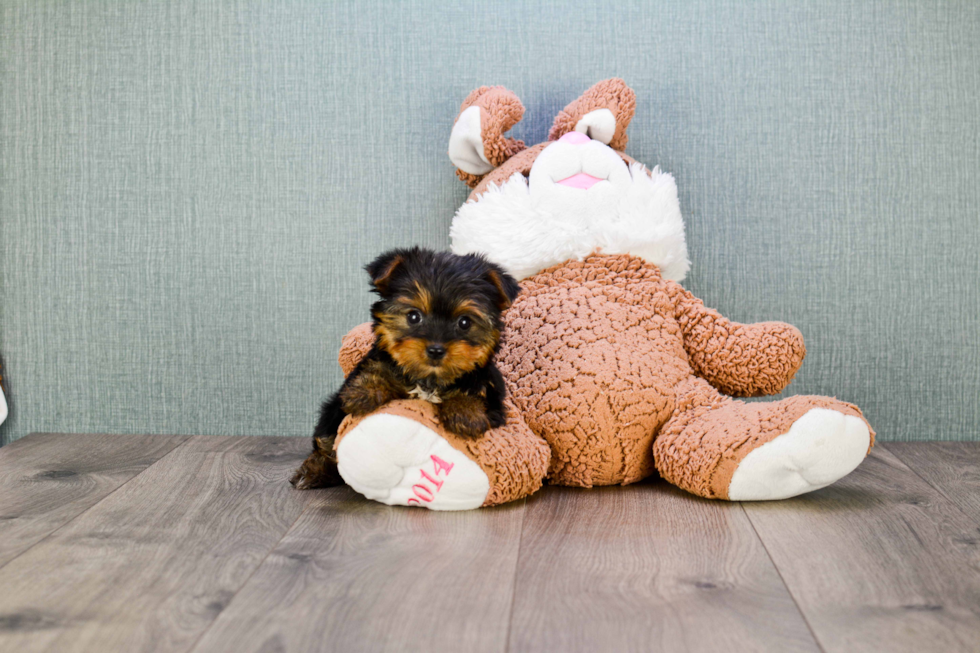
column 477, row 144
column 602, row 113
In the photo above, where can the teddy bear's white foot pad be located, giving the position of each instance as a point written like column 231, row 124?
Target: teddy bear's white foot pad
column 820, row 447
column 397, row 461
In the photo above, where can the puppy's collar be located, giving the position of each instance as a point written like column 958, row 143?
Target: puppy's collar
column 421, row 393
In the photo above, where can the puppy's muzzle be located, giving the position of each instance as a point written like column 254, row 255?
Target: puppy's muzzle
column 435, row 352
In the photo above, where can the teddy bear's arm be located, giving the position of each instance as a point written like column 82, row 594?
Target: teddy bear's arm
column 355, row 346
column 743, row 360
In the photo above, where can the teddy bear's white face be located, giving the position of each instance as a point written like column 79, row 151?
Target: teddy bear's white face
column 579, row 198
column 576, row 162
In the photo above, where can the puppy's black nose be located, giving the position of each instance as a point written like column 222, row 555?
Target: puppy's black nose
column 435, row 352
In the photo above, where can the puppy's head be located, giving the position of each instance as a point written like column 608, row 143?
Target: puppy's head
column 439, row 313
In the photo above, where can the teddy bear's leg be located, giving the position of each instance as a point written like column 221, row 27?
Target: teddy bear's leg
column 720, row 448
column 400, row 455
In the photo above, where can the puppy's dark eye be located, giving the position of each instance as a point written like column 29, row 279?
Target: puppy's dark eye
column 464, row 323
column 414, row 317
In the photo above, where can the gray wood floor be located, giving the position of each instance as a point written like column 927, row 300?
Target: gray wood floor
column 172, row 543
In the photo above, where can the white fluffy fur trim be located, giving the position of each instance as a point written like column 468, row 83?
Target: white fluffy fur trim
column 526, row 234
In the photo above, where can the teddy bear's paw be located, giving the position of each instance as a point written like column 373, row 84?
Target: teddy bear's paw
column 397, row 461
column 820, row 447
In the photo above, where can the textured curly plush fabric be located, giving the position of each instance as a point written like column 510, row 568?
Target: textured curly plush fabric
column 587, row 369
column 612, row 94
column 743, row 360
column 602, row 358
column 355, row 346
column 699, row 448
column 500, row 109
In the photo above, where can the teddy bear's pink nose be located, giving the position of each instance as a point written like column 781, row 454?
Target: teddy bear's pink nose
column 574, row 138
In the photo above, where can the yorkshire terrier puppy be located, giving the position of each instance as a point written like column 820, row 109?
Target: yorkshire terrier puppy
column 437, row 328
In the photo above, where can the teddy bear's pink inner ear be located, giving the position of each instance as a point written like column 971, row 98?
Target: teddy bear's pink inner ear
column 602, row 113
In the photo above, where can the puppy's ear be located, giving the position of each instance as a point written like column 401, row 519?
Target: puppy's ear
column 382, row 269
column 507, row 287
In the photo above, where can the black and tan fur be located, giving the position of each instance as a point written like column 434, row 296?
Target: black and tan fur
column 437, row 327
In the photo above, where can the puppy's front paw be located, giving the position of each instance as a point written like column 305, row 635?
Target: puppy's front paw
column 464, row 416
column 497, row 418
column 367, row 393
column 468, row 427
column 318, row 470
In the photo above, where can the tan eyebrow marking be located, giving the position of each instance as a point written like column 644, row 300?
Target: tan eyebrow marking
column 421, row 299
column 469, row 307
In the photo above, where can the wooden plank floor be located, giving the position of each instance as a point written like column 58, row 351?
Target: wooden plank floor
column 167, row 543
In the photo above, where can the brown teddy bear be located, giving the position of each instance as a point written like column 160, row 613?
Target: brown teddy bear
column 614, row 371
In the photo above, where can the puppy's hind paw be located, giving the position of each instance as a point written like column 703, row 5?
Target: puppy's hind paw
column 315, row 472
column 299, row 480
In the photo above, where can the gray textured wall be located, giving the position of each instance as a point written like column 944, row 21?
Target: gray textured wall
column 188, row 189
